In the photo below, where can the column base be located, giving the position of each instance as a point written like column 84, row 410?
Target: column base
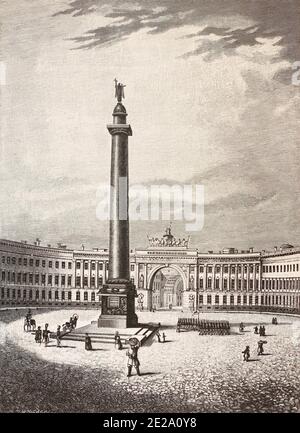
column 117, row 305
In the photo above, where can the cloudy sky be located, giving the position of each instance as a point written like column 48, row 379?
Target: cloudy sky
column 210, row 99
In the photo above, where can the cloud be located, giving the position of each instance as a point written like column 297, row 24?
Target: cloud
column 269, row 18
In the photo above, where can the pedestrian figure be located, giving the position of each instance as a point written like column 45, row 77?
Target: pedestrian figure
column 118, row 343
column 256, row 330
column 38, row 335
column 263, row 331
column 260, row 347
column 46, row 333
column 75, row 322
column 260, row 331
column 164, row 337
column 275, row 321
column 116, row 337
column 242, row 327
column 58, row 337
column 132, row 355
column 88, row 342
column 158, row 336
column 246, row 354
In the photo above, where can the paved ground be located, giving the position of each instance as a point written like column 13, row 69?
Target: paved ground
column 188, row 373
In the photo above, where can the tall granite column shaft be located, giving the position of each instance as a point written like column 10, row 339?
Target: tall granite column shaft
column 119, row 221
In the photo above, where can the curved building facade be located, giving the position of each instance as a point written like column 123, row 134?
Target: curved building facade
column 36, row 275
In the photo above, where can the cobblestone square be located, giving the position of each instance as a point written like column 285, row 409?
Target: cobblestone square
column 187, row 373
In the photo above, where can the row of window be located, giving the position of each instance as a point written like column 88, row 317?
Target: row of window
column 228, row 284
column 264, row 300
column 24, row 278
column 86, row 265
column 19, row 294
column 232, row 269
column 281, row 268
column 281, row 284
column 37, row 262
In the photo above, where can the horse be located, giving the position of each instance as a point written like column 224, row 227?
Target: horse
column 29, row 324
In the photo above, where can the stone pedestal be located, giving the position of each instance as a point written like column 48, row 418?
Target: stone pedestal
column 117, row 308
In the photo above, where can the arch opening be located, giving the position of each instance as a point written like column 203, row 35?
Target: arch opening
column 166, row 286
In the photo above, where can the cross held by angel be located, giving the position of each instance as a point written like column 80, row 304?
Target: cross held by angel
column 119, row 90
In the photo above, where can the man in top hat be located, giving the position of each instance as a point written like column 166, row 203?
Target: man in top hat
column 132, row 355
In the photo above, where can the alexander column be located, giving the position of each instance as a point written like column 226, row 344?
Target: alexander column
column 118, row 293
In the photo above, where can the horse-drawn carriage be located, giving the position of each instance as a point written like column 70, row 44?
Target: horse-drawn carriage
column 71, row 324
column 204, row 327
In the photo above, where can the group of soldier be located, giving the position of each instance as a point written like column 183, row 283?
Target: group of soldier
column 43, row 335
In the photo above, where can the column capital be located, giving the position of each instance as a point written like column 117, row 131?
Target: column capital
column 119, row 128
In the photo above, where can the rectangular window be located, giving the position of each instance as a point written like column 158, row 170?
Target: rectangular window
column 30, row 294
column 13, row 293
column 250, row 300
column 256, row 300
column 56, row 265
column 69, row 296
column 19, row 293
column 232, row 284
column 63, row 280
column 226, row 269
column 86, row 265
column 69, row 280
column 37, row 279
column 231, row 300
column 63, row 265
column 93, row 281
column 251, row 284
column 217, row 299
column 245, row 299
column 217, row 283
column 62, row 296
column 50, row 264
column 19, row 277
column 25, row 262
column 77, row 265
column 30, row 262
column 93, row 297
column 77, row 296
column 85, row 281
column 69, row 265
column 50, row 279
column 85, row 296
column 56, row 295
column 200, row 299
column 37, row 263
column 201, row 283
column 49, row 295
column 3, row 260
column 43, row 263
column 201, row 269
column 30, row 278
column 93, row 266
column 132, row 267
column 20, row 260
column 224, row 299
column 78, row 281
column 13, row 260
column 100, row 281
column 25, row 278
column 209, row 269
column 239, row 299
column 43, row 279
column 100, row 266
column 239, row 284
column 209, row 299
column 56, row 280
column 8, row 260
column 209, row 283
column 225, row 284
column 3, row 276
column 245, row 284
column 37, row 294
